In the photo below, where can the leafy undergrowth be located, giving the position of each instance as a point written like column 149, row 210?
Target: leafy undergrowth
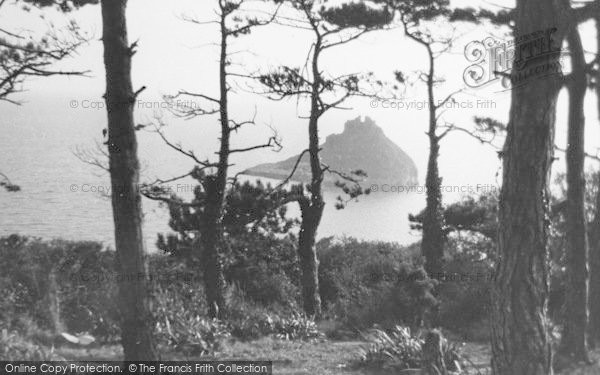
column 320, row 357
column 400, row 349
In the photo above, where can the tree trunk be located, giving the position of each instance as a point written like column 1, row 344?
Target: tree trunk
column 594, row 237
column 594, row 297
column 573, row 344
column 309, row 263
column 519, row 324
column 214, row 280
column 312, row 212
column 211, row 243
column 312, row 207
column 433, row 354
column 432, row 244
column 216, row 187
column 131, row 262
column 53, row 303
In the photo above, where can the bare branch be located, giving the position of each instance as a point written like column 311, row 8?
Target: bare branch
column 448, row 98
column 177, row 147
column 291, row 175
column 273, row 141
column 451, row 127
column 97, row 157
column 589, row 156
column 237, row 125
column 187, row 93
column 26, row 59
column 7, row 184
column 270, row 143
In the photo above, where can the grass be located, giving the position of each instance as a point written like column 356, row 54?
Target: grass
column 322, row 357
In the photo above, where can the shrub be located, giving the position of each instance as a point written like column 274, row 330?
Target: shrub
column 249, row 320
column 58, row 284
column 80, row 277
column 295, row 327
column 464, row 290
column 366, row 283
column 290, row 326
column 14, row 347
column 8, row 303
column 184, row 329
column 400, row 350
column 265, row 268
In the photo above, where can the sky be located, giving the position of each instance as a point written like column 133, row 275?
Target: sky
column 174, row 54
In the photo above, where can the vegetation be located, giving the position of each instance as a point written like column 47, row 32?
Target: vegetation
column 362, row 285
column 400, row 349
column 331, row 26
column 124, row 168
column 213, row 176
column 236, row 268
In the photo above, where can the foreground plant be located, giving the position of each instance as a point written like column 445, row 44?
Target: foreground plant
column 400, row 349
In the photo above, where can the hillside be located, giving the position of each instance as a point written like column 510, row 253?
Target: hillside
column 362, row 145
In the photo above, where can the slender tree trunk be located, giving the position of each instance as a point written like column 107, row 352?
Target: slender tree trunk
column 216, row 186
column 432, row 244
column 53, row 302
column 594, row 295
column 131, row 262
column 309, row 263
column 211, row 241
column 573, row 344
column 594, row 331
column 519, row 325
column 312, row 208
column 433, row 354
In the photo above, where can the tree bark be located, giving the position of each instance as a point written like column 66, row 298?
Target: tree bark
column 131, row 262
column 54, row 304
column 573, row 343
column 433, row 354
column 594, row 296
column 309, row 262
column 432, row 244
column 211, row 238
column 519, row 325
column 312, row 208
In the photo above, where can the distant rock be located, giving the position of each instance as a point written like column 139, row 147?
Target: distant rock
column 362, row 145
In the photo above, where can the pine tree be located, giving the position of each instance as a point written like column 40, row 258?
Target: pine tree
column 520, row 337
column 131, row 262
column 331, row 27
column 215, row 174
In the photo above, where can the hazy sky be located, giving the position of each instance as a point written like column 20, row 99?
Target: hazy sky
column 175, row 55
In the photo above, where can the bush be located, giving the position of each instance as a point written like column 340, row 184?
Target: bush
column 366, row 283
column 249, row 321
column 71, row 286
column 184, row 329
column 295, row 327
column 58, row 284
column 14, row 347
column 265, row 269
column 400, row 350
column 464, row 290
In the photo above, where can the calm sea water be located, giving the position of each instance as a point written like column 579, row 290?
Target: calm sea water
column 62, row 196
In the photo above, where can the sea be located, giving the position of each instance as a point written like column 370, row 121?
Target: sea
column 46, row 149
